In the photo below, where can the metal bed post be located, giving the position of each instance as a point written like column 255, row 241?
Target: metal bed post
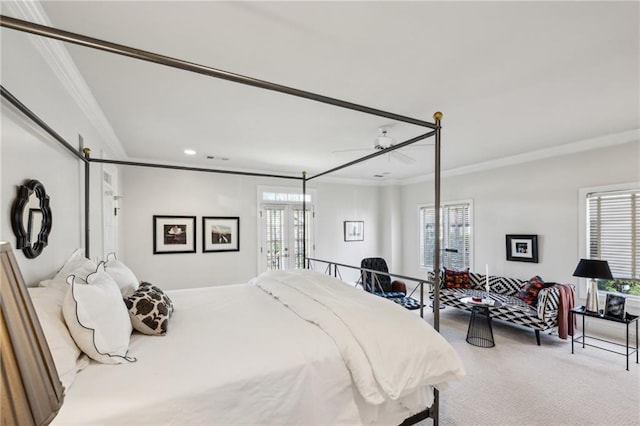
column 304, row 219
column 436, row 255
column 119, row 49
column 87, row 203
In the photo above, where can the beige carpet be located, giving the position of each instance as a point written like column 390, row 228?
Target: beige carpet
column 519, row 383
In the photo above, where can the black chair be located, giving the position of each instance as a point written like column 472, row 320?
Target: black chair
column 379, row 283
column 382, row 285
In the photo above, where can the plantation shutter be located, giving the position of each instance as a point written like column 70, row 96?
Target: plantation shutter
column 456, row 233
column 455, row 236
column 613, row 219
column 427, row 233
column 274, row 240
column 298, row 237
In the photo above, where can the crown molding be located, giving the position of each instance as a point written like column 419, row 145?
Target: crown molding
column 556, row 151
column 57, row 57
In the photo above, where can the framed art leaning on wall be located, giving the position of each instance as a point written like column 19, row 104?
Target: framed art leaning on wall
column 220, row 234
column 174, row 234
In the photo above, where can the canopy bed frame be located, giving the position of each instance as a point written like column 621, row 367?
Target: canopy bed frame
column 434, row 130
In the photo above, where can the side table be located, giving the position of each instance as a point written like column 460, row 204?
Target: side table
column 627, row 320
column 480, row 332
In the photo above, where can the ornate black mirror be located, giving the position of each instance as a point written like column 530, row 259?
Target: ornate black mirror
column 31, row 218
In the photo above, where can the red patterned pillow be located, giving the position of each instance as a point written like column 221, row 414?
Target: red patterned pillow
column 456, row 279
column 529, row 291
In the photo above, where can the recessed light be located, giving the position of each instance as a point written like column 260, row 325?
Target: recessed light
column 189, row 152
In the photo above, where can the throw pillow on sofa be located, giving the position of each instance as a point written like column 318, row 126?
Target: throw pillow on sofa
column 529, row 291
column 456, row 279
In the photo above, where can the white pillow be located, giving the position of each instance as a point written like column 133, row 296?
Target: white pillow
column 66, row 354
column 77, row 265
column 98, row 318
column 122, row 275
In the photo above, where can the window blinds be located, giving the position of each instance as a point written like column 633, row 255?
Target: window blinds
column 455, row 236
column 613, row 219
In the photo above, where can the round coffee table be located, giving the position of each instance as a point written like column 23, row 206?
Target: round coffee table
column 480, row 332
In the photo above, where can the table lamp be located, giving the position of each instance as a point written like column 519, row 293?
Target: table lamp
column 31, row 392
column 593, row 269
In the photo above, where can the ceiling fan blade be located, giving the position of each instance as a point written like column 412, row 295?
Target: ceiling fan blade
column 420, row 145
column 402, row 157
column 351, row 150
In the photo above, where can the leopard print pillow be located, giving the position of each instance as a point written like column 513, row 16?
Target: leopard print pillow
column 149, row 309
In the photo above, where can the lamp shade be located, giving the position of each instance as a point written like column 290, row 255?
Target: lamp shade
column 31, row 392
column 590, row 268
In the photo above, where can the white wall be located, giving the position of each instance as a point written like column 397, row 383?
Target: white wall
column 149, row 192
column 337, row 203
column 390, row 208
column 27, row 153
column 539, row 197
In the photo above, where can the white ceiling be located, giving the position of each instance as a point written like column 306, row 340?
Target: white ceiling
column 512, row 78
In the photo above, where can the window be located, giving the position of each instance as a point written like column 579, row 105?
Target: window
column 455, row 235
column 613, row 234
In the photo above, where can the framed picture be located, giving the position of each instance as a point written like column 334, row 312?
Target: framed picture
column 522, row 248
column 174, row 234
column 353, row 230
column 220, row 234
column 614, row 306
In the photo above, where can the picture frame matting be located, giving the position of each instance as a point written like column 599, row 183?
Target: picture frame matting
column 354, row 230
column 220, row 234
column 522, row 247
column 174, row 234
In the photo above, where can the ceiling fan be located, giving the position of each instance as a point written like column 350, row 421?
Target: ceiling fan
column 382, row 142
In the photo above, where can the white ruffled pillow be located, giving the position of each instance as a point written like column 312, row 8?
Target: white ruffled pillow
column 77, row 265
column 66, row 354
column 122, row 275
column 98, row 318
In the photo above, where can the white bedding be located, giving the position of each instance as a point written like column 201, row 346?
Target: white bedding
column 237, row 355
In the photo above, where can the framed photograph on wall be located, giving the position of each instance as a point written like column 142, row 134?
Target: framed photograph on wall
column 174, row 234
column 522, row 248
column 220, row 234
column 353, row 230
column 614, row 306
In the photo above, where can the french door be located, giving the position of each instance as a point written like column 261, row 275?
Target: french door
column 281, row 244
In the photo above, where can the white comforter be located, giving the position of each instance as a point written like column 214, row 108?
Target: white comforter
column 236, row 355
column 372, row 334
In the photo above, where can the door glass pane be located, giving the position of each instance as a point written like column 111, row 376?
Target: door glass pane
column 274, row 238
column 298, row 237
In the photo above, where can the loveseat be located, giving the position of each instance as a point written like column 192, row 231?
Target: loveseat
column 532, row 303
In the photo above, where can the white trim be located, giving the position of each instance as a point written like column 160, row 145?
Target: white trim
column 468, row 201
column 56, row 55
column 566, row 149
column 633, row 302
column 260, row 203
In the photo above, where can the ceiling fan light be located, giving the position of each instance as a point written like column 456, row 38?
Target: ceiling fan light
column 384, row 141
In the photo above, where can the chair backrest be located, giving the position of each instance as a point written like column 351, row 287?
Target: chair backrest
column 380, row 282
